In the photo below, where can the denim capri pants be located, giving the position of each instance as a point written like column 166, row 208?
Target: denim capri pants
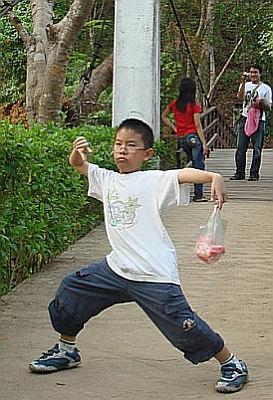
column 85, row 293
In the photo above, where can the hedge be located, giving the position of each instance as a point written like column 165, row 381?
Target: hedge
column 43, row 203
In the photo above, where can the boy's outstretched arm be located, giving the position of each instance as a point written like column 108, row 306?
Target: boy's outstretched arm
column 77, row 157
column 218, row 190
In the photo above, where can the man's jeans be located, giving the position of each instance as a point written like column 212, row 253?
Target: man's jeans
column 243, row 140
column 196, row 155
column 85, row 293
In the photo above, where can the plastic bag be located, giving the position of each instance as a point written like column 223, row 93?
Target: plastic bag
column 210, row 245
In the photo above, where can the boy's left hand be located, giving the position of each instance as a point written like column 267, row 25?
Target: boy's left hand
column 218, row 191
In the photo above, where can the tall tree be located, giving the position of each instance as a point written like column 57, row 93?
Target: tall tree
column 48, row 49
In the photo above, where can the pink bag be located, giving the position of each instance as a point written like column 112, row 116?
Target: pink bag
column 252, row 121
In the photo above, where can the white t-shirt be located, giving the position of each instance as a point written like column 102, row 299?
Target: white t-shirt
column 133, row 204
column 263, row 92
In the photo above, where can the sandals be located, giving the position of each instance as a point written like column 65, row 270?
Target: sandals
column 202, row 200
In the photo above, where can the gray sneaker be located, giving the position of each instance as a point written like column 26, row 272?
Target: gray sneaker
column 233, row 378
column 54, row 360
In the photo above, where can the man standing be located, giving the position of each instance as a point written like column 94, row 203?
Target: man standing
column 258, row 95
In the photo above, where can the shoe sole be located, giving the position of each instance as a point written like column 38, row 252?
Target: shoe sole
column 230, row 389
column 203, row 200
column 34, row 368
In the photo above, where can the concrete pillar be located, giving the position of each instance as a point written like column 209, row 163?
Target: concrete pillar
column 136, row 85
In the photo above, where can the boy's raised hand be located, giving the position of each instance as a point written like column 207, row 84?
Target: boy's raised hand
column 82, row 146
column 77, row 157
column 218, row 190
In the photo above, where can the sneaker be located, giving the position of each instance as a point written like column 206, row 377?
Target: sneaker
column 200, row 200
column 253, row 178
column 55, row 360
column 233, row 378
column 237, row 178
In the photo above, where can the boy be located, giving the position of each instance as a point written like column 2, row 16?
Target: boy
column 144, row 271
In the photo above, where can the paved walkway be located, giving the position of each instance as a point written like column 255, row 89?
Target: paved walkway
column 124, row 356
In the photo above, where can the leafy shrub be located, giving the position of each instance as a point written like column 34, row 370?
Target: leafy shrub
column 13, row 55
column 43, row 204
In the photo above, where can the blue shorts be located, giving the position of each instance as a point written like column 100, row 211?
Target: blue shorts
column 85, row 293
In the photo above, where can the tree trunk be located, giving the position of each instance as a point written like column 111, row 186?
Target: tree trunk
column 61, row 39
column 206, row 66
column 42, row 14
column 204, row 34
column 48, row 51
column 209, row 43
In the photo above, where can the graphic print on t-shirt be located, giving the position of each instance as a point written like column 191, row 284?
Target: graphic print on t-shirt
column 249, row 97
column 122, row 214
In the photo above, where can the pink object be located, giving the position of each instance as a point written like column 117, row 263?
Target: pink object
column 207, row 251
column 252, row 121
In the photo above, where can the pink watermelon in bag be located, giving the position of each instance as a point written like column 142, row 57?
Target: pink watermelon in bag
column 207, row 251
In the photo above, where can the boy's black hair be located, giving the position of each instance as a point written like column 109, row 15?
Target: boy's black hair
column 256, row 66
column 139, row 127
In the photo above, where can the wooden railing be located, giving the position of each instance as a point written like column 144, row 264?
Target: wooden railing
column 217, row 132
column 213, row 123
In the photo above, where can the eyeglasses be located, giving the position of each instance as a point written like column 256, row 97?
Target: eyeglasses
column 128, row 148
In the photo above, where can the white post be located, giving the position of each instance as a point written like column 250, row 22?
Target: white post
column 136, row 84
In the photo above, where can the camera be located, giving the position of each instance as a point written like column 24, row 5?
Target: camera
column 247, row 74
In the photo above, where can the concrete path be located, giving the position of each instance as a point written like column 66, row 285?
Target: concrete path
column 124, row 355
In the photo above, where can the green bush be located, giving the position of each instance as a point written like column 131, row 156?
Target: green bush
column 43, row 202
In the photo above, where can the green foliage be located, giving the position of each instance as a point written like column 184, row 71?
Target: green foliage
column 266, row 44
column 170, row 77
column 95, row 32
column 13, row 55
column 78, row 63
column 43, row 205
column 171, row 57
column 165, row 151
column 101, row 117
column 104, row 106
column 61, row 8
column 245, row 19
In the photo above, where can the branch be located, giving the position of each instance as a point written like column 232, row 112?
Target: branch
column 224, row 68
column 202, row 18
column 71, row 25
column 19, row 27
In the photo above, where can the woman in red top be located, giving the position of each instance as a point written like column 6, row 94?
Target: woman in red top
column 188, row 128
